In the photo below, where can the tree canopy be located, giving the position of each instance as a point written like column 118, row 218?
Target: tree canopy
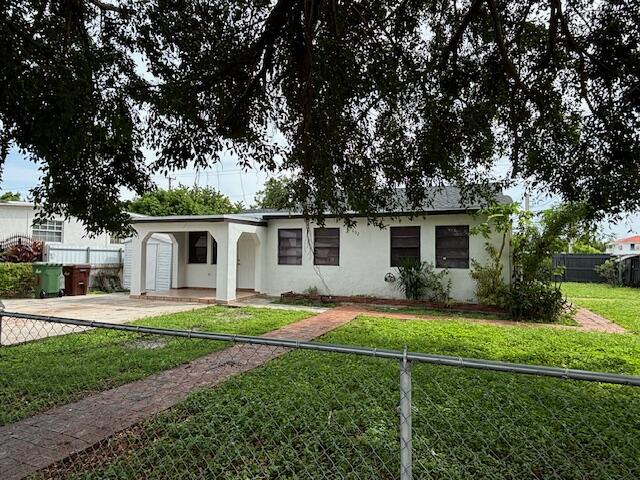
column 276, row 194
column 183, row 201
column 10, row 197
column 576, row 232
column 355, row 98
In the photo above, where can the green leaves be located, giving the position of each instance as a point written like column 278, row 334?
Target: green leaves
column 354, row 99
column 184, row 201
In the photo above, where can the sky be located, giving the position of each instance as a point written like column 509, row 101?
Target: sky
column 21, row 174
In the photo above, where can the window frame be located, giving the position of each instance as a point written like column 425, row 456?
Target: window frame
column 438, row 262
column 298, row 236
column 214, row 250
column 315, row 247
column 392, row 247
column 190, row 260
column 50, row 228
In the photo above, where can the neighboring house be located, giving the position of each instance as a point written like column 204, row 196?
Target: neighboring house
column 274, row 252
column 625, row 246
column 18, row 218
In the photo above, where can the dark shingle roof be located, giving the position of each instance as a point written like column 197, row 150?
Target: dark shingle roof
column 443, row 199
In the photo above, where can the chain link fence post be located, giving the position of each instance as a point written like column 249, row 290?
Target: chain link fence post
column 1, row 310
column 405, row 418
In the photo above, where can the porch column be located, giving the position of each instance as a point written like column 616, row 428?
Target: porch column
column 227, row 239
column 175, row 265
column 139, row 264
column 260, row 260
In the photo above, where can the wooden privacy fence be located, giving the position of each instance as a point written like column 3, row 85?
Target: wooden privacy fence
column 579, row 267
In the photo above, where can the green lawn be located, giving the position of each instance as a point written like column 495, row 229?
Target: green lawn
column 432, row 312
column 619, row 304
column 41, row 374
column 320, row 415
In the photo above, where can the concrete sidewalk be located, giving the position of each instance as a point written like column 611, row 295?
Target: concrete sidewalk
column 116, row 307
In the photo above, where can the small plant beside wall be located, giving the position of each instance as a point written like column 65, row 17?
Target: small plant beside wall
column 419, row 280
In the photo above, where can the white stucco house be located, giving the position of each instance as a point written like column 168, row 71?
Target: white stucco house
column 223, row 257
column 18, row 218
column 625, row 246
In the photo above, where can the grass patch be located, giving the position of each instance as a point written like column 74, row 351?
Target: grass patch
column 619, row 304
column 57, row 370
column 320, row 415
column 431, row 312
column 305, row 302
column 458, row 315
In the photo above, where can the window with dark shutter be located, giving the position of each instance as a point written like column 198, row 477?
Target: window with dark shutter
column 214, row 251
column 452, row 246
column 197, row 247
column 326, row 246
column 405, row 244
column 290, row 246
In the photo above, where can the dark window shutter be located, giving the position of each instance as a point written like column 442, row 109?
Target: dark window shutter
column 197, row 247
column 326, row 246
column 452, row 246
column 290, row 246
column 405, row 244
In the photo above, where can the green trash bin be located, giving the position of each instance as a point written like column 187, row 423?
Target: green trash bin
column 49, row 280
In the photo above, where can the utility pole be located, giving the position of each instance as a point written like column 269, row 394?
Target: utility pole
column 169, row 177
column 526, row 202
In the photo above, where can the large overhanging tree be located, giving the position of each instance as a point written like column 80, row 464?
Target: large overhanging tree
column 355, row 98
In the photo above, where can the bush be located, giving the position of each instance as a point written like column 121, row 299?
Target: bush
column 537, row 301
column 610, row 272
column 490, row 287
column 23, row 252
column 16, row 280
column 418, row 280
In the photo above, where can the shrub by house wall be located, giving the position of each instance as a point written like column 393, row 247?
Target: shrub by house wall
column 16, row 280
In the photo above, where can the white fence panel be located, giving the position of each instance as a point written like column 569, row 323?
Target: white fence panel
column 93, row 255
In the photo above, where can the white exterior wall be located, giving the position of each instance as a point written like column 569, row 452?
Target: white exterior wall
column 365, row 256
column 623, row 248
column 247, row 251
column 17, row 218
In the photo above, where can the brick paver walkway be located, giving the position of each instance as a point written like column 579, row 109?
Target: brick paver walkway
column 592, row 322
column 37, row 442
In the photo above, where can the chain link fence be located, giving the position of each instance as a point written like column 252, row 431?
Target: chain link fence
column 97, row 400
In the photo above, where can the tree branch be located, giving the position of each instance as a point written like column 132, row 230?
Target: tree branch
column 510, row 68
column 106, row 6
column 553, row 33
column 466, row 20
column 584, row 93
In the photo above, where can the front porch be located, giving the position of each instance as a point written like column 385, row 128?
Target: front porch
column 214, row 258
column 194, row 295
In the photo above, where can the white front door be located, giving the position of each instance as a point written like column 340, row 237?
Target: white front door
column 152, row 262
column 246, row 264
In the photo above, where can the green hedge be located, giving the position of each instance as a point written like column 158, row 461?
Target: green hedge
column 16, row 280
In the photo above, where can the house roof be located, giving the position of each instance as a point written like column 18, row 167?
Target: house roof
column 443, row 200
column 14, row 203
column 232, row 218
column 632, row 239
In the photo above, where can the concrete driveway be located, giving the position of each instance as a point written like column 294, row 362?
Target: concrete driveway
column 112, row 308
